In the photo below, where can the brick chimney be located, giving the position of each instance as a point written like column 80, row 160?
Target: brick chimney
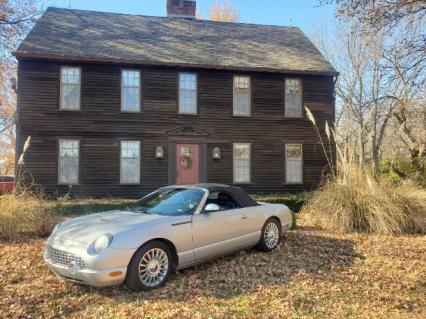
column 181, row 8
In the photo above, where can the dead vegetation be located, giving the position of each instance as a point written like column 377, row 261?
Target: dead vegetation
column 357, row 201
column 25, row 213
column 313, row 274
column 354, row 197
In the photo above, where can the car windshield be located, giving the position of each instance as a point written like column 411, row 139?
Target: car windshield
column 170, row 202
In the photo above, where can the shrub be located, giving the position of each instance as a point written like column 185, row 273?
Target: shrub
column 292, row 201
column 86, row 206
column 23, row 213
column 399, row 170
column 356, row 201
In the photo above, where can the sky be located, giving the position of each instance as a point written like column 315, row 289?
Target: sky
column 299, row 13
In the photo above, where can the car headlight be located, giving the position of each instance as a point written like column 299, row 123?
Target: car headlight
column 102, row 242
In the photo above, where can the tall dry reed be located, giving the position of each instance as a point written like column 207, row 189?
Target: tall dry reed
column 353, row 199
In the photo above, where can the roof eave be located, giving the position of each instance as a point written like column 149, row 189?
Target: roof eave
column 86, row 59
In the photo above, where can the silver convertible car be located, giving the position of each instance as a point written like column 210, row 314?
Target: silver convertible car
column 170, row 229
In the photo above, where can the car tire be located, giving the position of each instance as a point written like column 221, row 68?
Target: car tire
column 150, row 267
column 270, row 236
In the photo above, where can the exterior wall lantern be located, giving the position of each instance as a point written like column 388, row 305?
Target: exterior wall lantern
column 159, row 152
column 216, row 153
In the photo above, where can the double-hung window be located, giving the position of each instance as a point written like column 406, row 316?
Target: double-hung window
column 68, row 161
column 188, row 93
column 130, row 90
column 293, row 98
column 70, row 88
column 293, row 163
column 242, row 96
column 130, row 162
column 242, row 162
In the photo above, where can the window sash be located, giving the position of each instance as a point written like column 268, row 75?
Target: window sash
column 187, row 93
column 242, row 96
column 130, row 162
column 70, row 88
column 242, row 162
column 68, row 161
column 294, row 163
column 130, row 90
column 293, row 98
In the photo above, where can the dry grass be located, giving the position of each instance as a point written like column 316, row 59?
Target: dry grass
column 25, row 213
column 353, row 198
column 313, row 274
column 355, row 201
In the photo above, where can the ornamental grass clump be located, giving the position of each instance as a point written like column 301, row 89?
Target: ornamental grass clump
column 355, row 201
column 352, row 198
column 25, row 213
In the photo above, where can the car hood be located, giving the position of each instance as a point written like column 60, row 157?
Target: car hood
column 86, row 229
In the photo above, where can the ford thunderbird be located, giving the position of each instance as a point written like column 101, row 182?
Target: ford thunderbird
column 170, row 229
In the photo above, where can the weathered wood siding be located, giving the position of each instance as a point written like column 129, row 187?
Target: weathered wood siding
column 100, row 125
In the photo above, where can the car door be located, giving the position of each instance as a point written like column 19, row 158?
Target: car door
column 218, row 232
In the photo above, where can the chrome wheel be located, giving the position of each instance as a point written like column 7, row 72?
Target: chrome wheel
column 153, row 267
column 271, row 235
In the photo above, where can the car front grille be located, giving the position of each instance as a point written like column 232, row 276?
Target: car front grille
column 62, row 257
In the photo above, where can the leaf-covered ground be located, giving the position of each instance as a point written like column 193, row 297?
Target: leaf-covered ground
column 313, row 274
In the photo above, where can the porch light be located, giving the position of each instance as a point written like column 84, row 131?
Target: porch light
column 159, row 152
column 216, row 153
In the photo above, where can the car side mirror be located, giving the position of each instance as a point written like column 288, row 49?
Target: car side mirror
column 212, row 208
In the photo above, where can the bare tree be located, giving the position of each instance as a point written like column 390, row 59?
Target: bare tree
column 410, row 112
column 398, row 77
column 224, row 11
column 385, row 15
column 16, row 19
column 361, row 123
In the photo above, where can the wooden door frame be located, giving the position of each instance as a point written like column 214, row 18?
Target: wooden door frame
column 202, row 143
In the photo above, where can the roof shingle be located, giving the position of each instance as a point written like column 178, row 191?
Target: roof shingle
column 110, row 37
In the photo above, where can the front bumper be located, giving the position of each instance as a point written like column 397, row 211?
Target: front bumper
column 99, row 270
column 95, row 278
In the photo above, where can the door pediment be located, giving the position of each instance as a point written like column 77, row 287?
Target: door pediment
column 187, row 131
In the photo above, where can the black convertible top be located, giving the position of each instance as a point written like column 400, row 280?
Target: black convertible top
column 235, row 191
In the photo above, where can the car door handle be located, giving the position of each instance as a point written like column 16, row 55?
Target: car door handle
column 244, row 217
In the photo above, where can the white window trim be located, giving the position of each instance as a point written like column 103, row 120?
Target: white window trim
column 233, row 96
column 233, row 164
column 196, row 93
column 301, row 166
column 285, row 95
column 140, row 153
column 61, row 107
column 59, row 160
column 122, row 86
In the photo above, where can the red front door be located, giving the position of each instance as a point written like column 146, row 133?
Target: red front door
column 187, row 163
